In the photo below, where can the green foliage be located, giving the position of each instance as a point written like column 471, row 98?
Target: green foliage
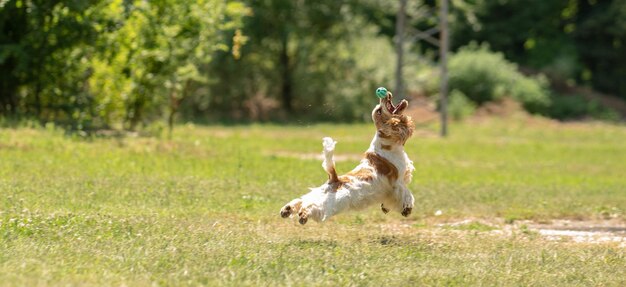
column 567, row 107
column 577, row 41
column 108, row 63
column 486, row 76
column 123, row 64
column 600, row 38
column 44, row 47
column 159, row 53
column 459, row 106
column 310, row 59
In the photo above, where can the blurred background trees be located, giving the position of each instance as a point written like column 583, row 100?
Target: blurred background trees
column 124, row 64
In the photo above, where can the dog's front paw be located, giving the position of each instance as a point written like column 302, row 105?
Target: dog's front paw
column 406, row 211
column 309, row 211
column 407, row 203
column 304, row 217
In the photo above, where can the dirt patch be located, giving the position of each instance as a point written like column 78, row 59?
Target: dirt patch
column 582, row 231
column 15, row 146
column 583, row 236
column 574, row 231
column 422, row 111
column 505, row 107
column 612, row 225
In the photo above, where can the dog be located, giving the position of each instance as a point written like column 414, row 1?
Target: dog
column 381, row 177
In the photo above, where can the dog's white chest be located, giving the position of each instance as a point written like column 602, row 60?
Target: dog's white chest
column 398, row 158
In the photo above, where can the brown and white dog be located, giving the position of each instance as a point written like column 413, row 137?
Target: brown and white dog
column 381, row 177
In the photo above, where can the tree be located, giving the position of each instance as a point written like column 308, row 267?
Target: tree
column 600, row 36
column 577, row 40
column 160, row 51
column 302, row 55
column 43, row 45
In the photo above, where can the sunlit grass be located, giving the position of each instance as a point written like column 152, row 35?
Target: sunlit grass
column 202, row 208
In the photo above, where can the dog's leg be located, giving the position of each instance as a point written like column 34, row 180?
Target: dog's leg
column 291, row 208
column 320, row 205
column 309, row 206
column 383, row 208
column 405, row 199
column 309, row 211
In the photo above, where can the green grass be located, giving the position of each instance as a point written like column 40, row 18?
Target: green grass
column 202, row 208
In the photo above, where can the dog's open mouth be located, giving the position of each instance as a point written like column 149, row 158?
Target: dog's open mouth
column 393, row 109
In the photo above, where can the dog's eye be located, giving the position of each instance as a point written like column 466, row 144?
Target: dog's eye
column 379, row 111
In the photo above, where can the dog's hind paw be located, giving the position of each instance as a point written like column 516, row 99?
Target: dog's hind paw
column 285, row 211
column 291, row 208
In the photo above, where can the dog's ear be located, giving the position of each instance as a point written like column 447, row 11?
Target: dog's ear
column 406, row 128
column 402, row 128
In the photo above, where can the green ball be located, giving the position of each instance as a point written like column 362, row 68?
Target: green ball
column 381, row 92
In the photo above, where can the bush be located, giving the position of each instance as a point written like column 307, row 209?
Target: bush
column 485, row 76
column 578, row 107
column 459, row 106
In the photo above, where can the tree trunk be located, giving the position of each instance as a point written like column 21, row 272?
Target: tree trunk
column 175, row 101
column 133, row 115
column 41, row 57
column 170, row 119
column 8, row 89
column 443, row 62
column 399, row 92
column 286, row 89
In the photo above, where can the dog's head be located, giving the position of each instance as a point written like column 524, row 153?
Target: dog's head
column 390, row 122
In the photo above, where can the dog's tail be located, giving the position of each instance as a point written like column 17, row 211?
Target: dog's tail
column 329, row 163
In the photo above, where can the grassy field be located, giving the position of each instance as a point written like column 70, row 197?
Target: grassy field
column 202, row 208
